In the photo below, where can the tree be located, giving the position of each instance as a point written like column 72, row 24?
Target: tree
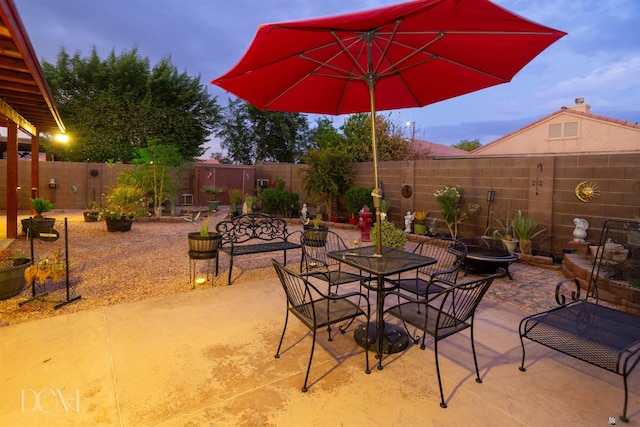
column 467, row 145
column 329, row 175
column 325, row 135
column 389, row 137
column 220, row 157
column 113, row 107
column 157, row 172
column 251, row 135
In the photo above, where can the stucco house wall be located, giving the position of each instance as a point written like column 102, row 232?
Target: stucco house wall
column 569, row 130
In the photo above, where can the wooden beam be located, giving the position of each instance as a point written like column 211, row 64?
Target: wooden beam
column 6, row 110
column 35, row 166
column 12, row 181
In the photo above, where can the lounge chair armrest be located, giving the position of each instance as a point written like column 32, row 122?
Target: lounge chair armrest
column 575, row 294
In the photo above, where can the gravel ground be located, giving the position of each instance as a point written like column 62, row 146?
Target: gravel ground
column 149, row 261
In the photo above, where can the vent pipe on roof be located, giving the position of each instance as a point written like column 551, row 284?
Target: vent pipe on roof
column 581, row 106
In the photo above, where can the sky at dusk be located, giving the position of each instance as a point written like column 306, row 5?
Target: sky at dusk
column 599, row 59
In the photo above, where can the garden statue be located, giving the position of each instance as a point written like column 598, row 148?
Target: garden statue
column 304, row 211
column 408, row 219
column 580, row 232
column 364, row 224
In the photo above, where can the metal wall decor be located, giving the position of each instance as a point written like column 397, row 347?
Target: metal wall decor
column 406, row 191
column 587, row 191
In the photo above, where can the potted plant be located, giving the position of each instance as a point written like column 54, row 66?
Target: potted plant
column 92, row 213
column 317, row 237
column 12, row 267
column 53, row 267
column 356, row 198
column 505, row 231
column 122, row 205
column 420, row 223
column 204, row 242
column 525, row 229
column 248, row 204
column 235, row 198
column 40, row 206
column 213, row 192
column 391, row 235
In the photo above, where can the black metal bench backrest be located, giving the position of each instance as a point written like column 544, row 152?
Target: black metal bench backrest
column 244, row 228
column 618, row 257
column 450, row 255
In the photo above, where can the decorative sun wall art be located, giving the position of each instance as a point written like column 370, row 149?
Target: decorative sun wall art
column 587, row 191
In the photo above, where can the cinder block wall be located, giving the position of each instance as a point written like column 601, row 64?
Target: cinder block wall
column 543, row 187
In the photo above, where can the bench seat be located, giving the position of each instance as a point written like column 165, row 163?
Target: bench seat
column 252, row 234
column 259, row 248
column 587, row 329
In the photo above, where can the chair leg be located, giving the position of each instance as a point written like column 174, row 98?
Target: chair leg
column 230, row 268
column 623, row 417
column 522, row 368
column 442, row 402
column 306, row 378
column 286, row 320
column 475, row 359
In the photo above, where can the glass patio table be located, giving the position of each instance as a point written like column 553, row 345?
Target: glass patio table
column 382, row 337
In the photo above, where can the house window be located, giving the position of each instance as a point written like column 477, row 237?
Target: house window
column 555, row 130
column 563, row 130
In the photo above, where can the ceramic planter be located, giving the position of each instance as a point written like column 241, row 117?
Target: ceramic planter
column 420, row 229
column 510, row 244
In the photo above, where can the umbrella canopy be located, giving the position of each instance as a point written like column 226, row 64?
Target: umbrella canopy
column 400, row 56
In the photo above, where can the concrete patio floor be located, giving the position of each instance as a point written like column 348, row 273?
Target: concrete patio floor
column 206, row 358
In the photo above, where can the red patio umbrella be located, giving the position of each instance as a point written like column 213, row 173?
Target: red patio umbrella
column 400, row 56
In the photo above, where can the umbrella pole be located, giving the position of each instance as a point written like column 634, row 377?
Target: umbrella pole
column 377, row 191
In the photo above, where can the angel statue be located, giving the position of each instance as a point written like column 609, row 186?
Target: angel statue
column 408, row 219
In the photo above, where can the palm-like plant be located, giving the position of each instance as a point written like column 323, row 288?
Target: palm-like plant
column 525, row 229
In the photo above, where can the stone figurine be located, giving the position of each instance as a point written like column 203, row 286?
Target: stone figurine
column 580, row 232
column 408, row 220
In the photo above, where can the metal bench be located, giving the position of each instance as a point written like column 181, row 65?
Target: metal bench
column 254, row 233
column 587, row 329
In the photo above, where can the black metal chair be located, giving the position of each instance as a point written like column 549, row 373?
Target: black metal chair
column 317, row 310
column 443, row 314
column 450, row 255
column 315, row 246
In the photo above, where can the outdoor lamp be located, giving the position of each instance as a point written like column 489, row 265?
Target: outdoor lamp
column 413, row 129
column 61, row 138
column 491, row 195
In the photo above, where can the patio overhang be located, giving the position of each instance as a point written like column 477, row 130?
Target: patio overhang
column 26, row 103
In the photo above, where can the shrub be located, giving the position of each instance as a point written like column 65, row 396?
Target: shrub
column 279, row 202
column 392, row 236
column 357, row 197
